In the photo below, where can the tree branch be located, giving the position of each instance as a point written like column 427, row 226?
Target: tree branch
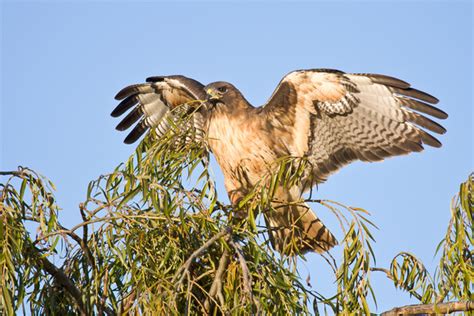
column 60, row 277
column 245, row 270
column 11, row 173
column 386, row 271
column 443, row 308
column 200, row 250
column 390, row 276
column 128, row 302
column 216, row 286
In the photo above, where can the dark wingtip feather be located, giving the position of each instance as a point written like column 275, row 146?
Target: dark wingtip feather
column 430, row 140
column 124, row 106
column 440, row 114
column 328, row 70
column 136, row 133
column 415, row 93
column 131, row 118
column 422, row 107
column 423, row 96
column 124, row 92
column 155, row 79
column 133, row 89
column 388, row 81
column 412, row 146
column 426, row 123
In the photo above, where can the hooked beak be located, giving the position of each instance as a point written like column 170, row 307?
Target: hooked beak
column 212, row 95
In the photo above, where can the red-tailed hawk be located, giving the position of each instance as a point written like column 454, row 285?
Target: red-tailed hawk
column 329, row 117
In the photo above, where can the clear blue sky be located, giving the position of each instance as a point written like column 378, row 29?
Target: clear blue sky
column 62, row 63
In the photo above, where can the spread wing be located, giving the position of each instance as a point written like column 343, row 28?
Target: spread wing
column 151, row 104
column 335, row 118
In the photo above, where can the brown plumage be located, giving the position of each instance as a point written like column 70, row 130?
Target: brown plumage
column 328, row 117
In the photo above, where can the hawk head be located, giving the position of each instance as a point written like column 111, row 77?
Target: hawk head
column 224, row 93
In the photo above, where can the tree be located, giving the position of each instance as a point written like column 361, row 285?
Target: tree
column 154, row 238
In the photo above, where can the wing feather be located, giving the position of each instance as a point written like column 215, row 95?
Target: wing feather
column 387, row 80
column 130, row 119
column 421, row 107
column 136, row 132
column 133, row 90
column 151, row 104
column 366, row 117
column 125, row 105
column 417, row 94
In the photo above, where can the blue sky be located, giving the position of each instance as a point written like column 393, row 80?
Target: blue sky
column 62, row 63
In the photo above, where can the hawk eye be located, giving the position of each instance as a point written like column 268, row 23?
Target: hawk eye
column 222, row 89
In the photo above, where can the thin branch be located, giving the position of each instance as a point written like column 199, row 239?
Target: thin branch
column 60, row 277
column 97, row 220
column 11, row 173
column 245, row 270
column 85, row 232
column 386, row 271
column 331, row 261
column 83, row 243
column 198, row 252
column 442, row 308
column 216, row 286
column 127, row 302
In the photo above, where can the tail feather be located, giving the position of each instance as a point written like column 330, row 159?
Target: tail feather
column 294, row 228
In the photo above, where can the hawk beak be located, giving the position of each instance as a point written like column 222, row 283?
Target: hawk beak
column 212, row 94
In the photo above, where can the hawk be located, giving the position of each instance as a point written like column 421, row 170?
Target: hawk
column 328, row 117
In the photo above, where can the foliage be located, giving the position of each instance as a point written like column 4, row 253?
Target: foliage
column 155, row 238
column 454, row 275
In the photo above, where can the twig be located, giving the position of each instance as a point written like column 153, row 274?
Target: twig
column 11, row 173
column 60, row 277
column 443, row 308
column 390, row 276
column 330, row 261
column 127, row 303
column 216, row 286
column 96, row 220
column 245, row 270
column 386, row 271
column 85, row 233
column 198, row 252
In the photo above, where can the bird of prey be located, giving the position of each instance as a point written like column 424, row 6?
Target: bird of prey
column 328, row 117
